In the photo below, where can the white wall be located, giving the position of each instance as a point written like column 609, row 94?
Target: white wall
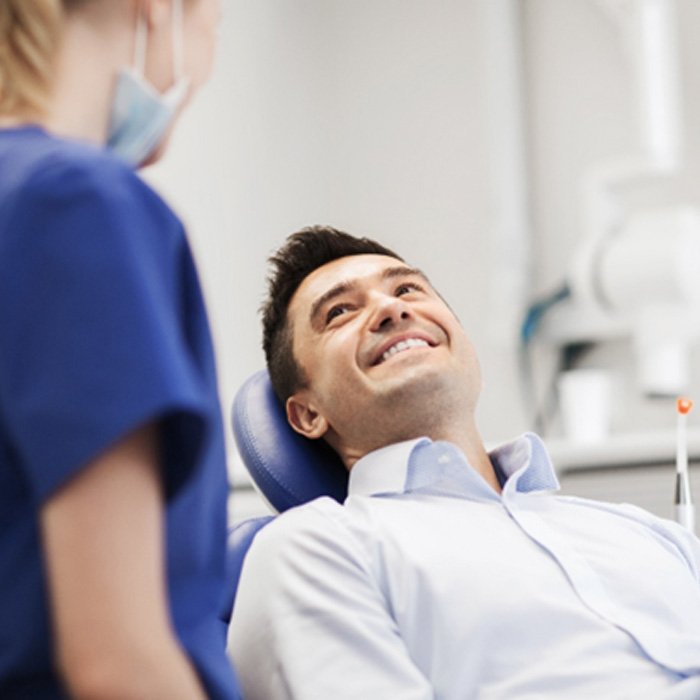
column 377, row 116
column 367, row 115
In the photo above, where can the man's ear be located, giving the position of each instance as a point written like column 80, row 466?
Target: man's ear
column 304, row 417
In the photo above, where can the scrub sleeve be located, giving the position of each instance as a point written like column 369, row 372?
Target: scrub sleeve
column 96, row 345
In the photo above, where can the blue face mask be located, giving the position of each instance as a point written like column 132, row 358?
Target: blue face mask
column 140, row 115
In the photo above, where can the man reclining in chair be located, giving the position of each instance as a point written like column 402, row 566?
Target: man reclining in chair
column 448, row 572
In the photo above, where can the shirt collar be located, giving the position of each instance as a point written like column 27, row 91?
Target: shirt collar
column 524, row 464
column 384, row 470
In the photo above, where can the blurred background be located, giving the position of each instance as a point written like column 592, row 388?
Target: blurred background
column 538, row 159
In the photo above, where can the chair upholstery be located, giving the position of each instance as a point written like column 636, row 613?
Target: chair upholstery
column 287, row 468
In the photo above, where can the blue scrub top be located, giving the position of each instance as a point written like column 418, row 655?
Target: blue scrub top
column 102, row 329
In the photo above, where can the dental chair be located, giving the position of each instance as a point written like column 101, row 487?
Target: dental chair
column 286, row 468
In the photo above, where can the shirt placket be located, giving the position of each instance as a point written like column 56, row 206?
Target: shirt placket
column 584, row 580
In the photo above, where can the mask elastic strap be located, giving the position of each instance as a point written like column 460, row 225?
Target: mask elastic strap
column 141, row 39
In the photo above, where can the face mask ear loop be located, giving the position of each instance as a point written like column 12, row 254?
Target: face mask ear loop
column 177, row 37
column 140, row 43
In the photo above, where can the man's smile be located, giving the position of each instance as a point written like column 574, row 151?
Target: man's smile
column 401, row 344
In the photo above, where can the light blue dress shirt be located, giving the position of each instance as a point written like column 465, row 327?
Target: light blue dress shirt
column 427, row 583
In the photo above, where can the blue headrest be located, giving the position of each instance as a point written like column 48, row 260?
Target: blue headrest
column 287, row 468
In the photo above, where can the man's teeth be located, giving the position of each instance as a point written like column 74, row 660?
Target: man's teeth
column 404, row 345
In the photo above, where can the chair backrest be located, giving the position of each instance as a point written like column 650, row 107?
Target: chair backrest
column 288, row 468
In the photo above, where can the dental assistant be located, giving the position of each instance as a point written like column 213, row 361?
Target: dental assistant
column 112, row 470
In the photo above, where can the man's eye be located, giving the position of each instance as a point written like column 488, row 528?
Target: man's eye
column 335, row 311
column 407, row 288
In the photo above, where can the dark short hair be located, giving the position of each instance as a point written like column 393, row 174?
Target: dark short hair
column 302, row 253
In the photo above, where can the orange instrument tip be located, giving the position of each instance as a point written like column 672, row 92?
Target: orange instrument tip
column 684, row 405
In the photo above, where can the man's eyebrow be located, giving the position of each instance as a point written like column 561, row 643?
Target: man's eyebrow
column 332, row 293
column 404, row 271
column 347, row 286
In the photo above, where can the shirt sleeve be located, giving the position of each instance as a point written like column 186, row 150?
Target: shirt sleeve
column 309, row 621
column 92, row 341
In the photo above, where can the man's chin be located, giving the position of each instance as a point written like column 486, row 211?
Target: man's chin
column 418, row 405
column 417, row 383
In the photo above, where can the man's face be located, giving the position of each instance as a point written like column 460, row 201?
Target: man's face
column 380, row 350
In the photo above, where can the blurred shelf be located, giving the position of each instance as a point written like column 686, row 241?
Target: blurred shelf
column 622, row 450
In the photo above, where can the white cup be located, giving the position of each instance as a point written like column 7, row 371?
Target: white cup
column 584, row 398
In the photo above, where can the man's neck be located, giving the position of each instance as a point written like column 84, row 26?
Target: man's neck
column 466, row 439
column 478, row 458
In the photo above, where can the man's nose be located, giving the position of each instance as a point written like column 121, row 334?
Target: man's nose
column 389, row 311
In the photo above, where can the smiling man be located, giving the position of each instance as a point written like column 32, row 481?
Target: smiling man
column 412, row 373
column 448, row 572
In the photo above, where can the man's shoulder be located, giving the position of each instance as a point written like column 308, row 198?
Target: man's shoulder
column 321, row 525
column 307, row 518
column 663, row 529
column 627, row 510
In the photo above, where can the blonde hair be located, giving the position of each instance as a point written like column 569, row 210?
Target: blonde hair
column 30, row 32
